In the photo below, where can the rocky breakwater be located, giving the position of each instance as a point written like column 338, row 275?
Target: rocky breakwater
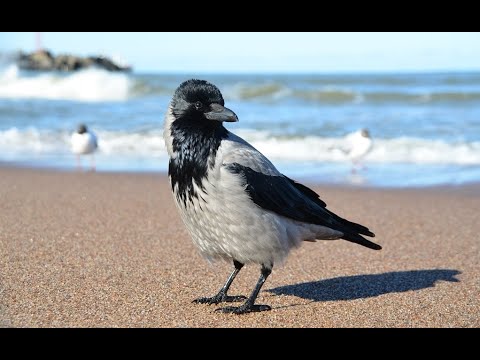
column 44, row 60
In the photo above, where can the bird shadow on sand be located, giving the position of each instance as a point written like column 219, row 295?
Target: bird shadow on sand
column 365, row 286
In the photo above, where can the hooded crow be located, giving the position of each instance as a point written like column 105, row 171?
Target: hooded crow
column 235, row 204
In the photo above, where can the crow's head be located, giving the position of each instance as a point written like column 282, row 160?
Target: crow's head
column 200, row 102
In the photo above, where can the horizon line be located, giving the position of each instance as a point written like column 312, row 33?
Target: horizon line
column 304, row 72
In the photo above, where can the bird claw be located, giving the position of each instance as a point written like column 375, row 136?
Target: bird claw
column 243, row 309
column 219, row 299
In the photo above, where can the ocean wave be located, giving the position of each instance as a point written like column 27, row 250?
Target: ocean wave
column 14, row 141
column 142, row 86
column 330, row 95
column 335, row 94
column 295, row 149
column 85, row 85
column 246, row 91
column 96, row 85
column 398, row 150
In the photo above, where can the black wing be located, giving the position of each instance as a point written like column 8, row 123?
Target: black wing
column 288, row 198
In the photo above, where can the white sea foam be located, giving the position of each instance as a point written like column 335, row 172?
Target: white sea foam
column 398, row 150
column 31, row 140
column 83, row 85
column 149, row 144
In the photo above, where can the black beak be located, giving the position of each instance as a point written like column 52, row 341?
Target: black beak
column 219, row 113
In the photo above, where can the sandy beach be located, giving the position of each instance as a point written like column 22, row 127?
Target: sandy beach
column 110, row 250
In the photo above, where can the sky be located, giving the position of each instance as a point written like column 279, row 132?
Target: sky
column 251, row 52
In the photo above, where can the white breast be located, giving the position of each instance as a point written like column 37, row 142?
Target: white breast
column 85, row 143
column 359, row 145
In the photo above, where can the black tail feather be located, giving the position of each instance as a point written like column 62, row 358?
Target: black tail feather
column 348, row 225
column 352, row 233
column 351, row 226
column 358, row 239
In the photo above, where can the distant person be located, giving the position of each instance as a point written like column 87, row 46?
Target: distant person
column 359, row 145
column 84, row 142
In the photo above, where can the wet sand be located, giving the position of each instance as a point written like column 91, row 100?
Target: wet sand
column 110, row 250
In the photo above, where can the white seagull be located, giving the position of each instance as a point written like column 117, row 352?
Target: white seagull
column 83, row 142
column 359, row 144
column 236, row 205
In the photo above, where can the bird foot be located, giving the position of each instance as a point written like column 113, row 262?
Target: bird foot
column 243, row 309
column 219, row 298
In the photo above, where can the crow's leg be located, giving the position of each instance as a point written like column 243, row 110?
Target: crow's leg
column 249, row 305
column 222, row 294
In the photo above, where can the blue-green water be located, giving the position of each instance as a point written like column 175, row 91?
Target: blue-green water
column 425, row 127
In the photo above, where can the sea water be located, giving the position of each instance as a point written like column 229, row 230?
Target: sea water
column 425, row 126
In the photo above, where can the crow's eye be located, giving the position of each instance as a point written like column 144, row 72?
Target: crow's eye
column 198, row 105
